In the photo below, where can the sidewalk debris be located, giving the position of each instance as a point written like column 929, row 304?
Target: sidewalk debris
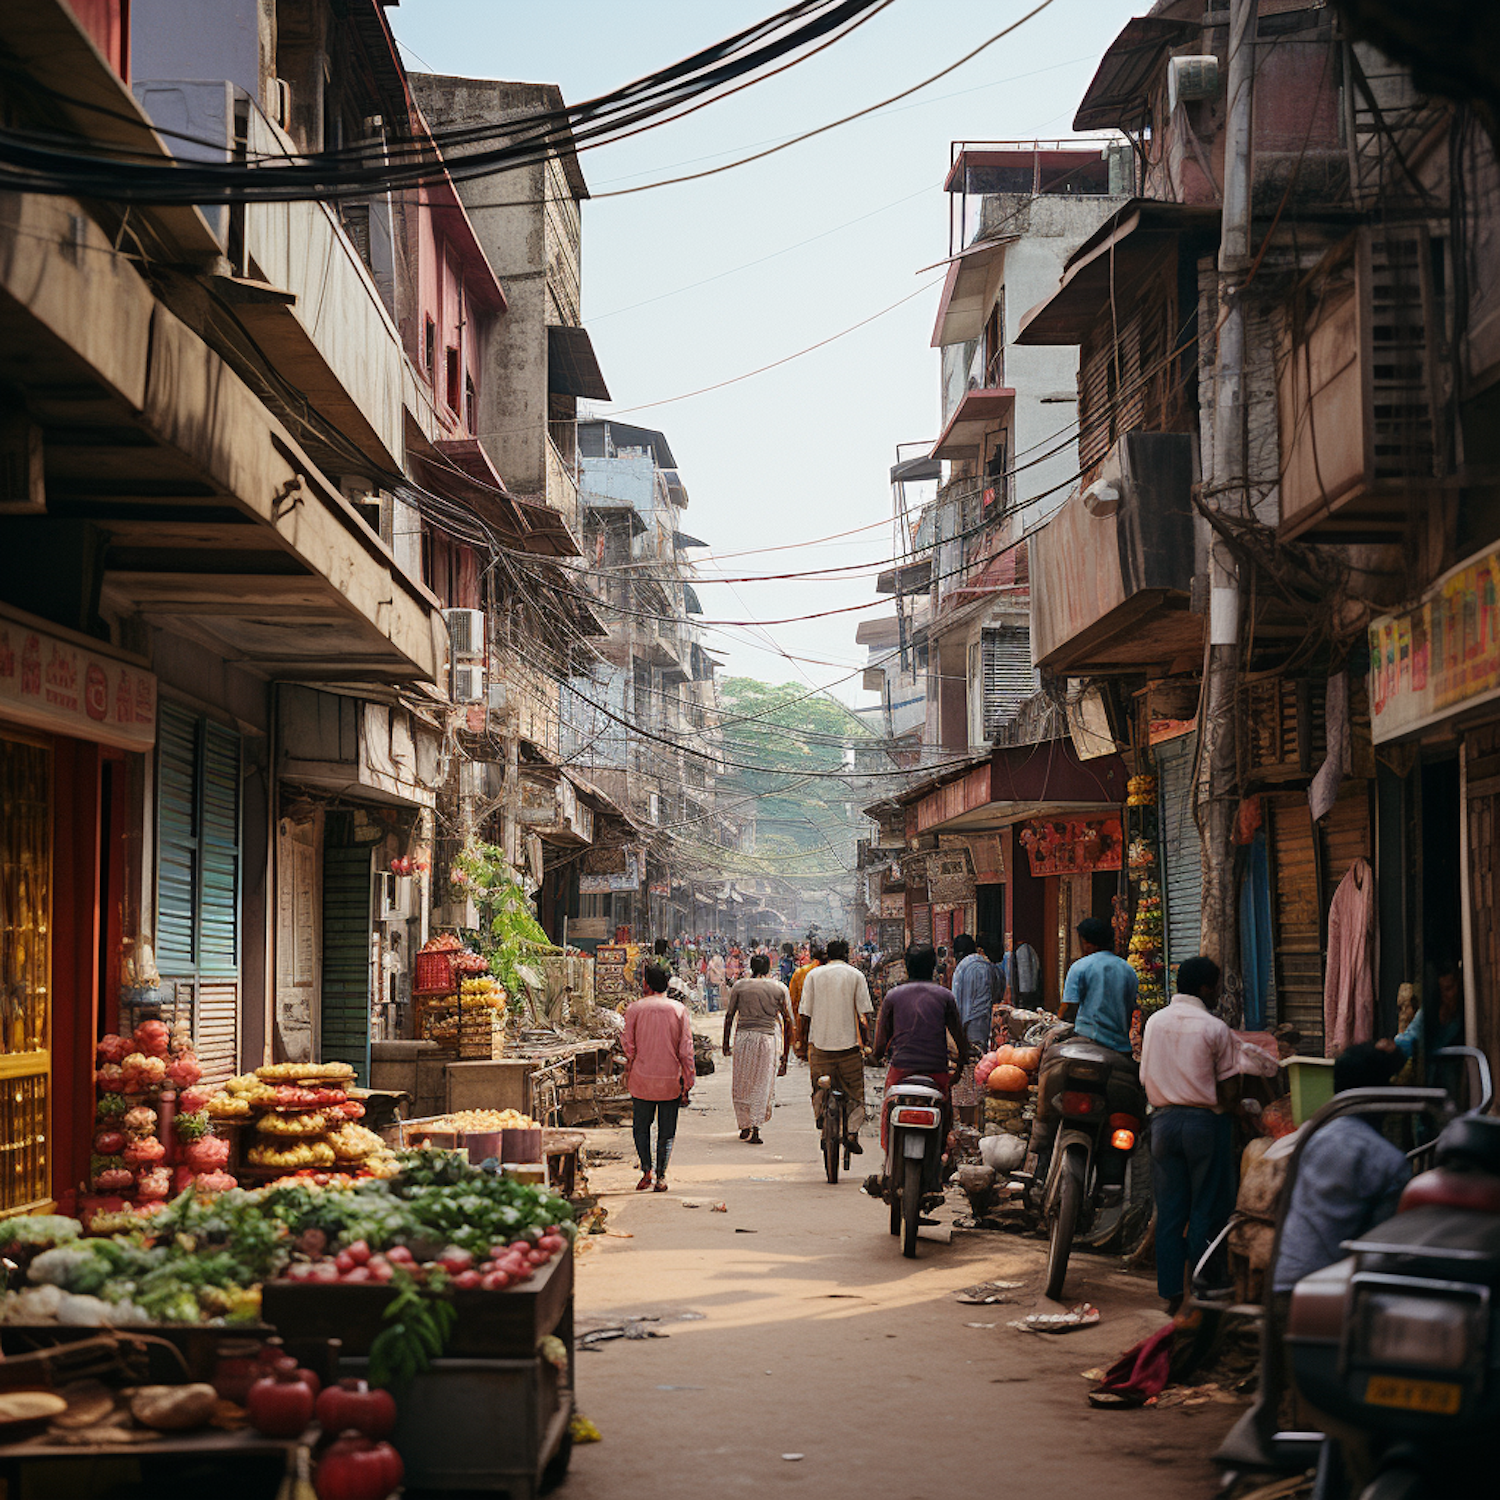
column 983, row 1293
column 583, row 1430
column 1085, row 1315
column 718, row 1208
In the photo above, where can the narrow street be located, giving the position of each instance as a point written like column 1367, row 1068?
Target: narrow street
column 815, row 1337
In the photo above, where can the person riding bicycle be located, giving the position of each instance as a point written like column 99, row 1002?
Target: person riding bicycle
column 916, row 1020
column 832, row 1031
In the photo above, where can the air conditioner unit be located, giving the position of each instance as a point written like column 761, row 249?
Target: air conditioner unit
column 465, row 632
column 468, row 683
column 497, row 695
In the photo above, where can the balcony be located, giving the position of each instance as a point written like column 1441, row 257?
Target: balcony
column 974, row 417
column 1112, row 571
column 1356, row 391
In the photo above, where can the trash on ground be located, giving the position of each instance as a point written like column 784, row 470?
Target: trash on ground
column 986, row 1292
column 718, row 1208
column 791, row 1457
column 1084, row 1315
column 692, row 1202
column 979, row 1325
column 691, row 1317
column 583, row 1430
column 747, row 1231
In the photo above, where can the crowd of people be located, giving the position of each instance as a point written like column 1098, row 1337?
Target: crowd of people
column 829, row 1003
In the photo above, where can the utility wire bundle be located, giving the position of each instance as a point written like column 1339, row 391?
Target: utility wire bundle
column 55, row 164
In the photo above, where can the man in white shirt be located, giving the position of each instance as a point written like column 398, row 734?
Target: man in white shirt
column 833, row 1032
column 1188, row 1055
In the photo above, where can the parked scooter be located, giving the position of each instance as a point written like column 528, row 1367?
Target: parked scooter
column 1095, row 1095
column 913, row 1129
column 1396, row 1348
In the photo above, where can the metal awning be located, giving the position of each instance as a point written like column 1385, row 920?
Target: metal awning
column 972, row 418
column 572, row 366
column 909, row 578
column 964, row 303
column 1110, row 260
column 681, row 539
column 1117, row 95
column 690, row 600
column 916, row 470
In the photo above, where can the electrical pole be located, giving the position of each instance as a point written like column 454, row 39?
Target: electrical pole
column 1218, row 783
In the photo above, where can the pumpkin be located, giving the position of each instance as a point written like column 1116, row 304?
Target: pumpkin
column 1006, row 1079
column 1028, row 1059
column 1005, row 1056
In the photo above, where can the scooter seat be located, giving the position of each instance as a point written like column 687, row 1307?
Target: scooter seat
column 1470, row 1140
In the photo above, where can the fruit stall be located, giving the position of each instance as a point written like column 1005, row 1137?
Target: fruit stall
column 412, row 1314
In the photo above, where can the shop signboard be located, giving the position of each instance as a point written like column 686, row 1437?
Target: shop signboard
column 628, row 879
column 1441, row 656
column 1071, row 846
column 51, row 684
column 893, row 905
column 950, row 877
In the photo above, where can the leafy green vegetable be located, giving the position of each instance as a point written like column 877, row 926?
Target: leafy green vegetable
column 418, row 1321
column 37, row 1232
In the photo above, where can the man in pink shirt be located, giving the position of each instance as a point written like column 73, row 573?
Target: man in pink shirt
column 660, row 1072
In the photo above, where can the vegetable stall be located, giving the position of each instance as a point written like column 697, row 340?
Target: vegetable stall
column 241, row 1304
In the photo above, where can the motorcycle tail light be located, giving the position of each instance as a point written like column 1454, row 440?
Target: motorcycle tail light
column 908, row 1115
column 1123, row 1140
column 1077, row 1102
column 1436, row 1333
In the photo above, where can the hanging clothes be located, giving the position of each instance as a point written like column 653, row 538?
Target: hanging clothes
column 1349, row 989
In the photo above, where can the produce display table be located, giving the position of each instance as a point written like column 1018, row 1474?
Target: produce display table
column 494, row 1411
column 236, row 1465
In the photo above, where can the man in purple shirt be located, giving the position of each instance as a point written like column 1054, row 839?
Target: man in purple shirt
column 916, row 1020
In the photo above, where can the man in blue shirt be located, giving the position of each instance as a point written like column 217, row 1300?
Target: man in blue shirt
column 1099, row 997
column 974, row 990
column 1350, row 1176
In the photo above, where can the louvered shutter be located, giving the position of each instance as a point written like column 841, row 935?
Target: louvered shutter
column 347, row 888
column 1181, row 850
column 176, row 842
column 1009, row 678
column 1297, row 919
column 198, row 881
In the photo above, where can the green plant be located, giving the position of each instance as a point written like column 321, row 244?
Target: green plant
column 509, row 934
column 418, row 1322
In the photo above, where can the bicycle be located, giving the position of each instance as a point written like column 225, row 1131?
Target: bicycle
column 835, row 1128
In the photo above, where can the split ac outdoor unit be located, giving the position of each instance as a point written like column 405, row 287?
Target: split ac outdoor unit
column 468, row 683
column 465, row 632
column 498, row 696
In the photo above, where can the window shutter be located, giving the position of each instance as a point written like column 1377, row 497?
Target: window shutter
column 218, row 951
column 1181, row 853
column 1009, row 678
column 176, row 841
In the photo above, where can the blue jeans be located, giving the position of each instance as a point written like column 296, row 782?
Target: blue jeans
column 664, row 1113
column 1192, row 1178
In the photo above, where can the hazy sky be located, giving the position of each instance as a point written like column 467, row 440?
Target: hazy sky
column 689, row 285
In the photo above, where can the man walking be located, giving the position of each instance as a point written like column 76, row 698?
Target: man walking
column 1188, row 1056
column 832, row 1033
column 974, row 985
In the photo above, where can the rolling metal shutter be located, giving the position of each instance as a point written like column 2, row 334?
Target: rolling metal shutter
column 1296, row 919
column 198, row 881
column 347, row 887
column 1181, row 851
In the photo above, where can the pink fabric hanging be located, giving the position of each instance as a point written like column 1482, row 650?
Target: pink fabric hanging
column 1349, row 991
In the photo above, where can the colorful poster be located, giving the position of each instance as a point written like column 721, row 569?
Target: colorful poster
column 1070, row 846
column 1440, row 656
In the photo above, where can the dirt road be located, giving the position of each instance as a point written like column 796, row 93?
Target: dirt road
column 796, row 1327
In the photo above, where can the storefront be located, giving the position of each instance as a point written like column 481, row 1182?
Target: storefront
column 76, row 720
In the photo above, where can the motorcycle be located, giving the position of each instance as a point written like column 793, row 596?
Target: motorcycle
column 1095, row 1095
column 912, row 1124
column 1396, row 1348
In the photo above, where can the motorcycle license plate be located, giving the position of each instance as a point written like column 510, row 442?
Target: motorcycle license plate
column 913, row 1145
column 1439, row 1397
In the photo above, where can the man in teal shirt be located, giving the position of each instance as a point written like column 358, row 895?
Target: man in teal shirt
column 1100, row 995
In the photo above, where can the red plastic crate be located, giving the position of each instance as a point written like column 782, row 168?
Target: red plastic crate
column 435, row 974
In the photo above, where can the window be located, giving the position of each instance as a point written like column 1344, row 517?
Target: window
column 1008, row 677
column 450, row 392
column 471, row 405
column 198, row 879
column 429, row 352
column 994, row 344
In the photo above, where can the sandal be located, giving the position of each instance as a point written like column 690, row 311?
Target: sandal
column 661, row 1185
column 755, row 1139
column 644, row 1183
column 745, row 1133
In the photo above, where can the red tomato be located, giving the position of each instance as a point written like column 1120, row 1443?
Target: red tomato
column 496, row 1281
column 280, row 1405
column 356, row 1274
column 358, row 1252
column 399, row 1255
column 551, row 1243
column 352, row 1405
column 454, row 1259
column 466, row 1281
column 345, row 1262
column 324, row 1271
column 354, row 1468
column 380, row 1269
